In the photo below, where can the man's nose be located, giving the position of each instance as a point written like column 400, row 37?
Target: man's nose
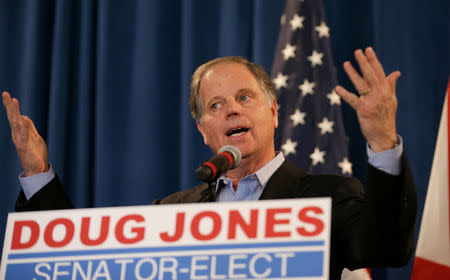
column 233, row 109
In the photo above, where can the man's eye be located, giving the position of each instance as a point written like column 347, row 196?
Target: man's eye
column 215, row 106
column 244, row 98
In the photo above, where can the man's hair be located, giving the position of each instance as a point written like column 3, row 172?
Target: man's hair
column 261, row 76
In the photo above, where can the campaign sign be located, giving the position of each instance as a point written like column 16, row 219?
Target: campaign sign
column 272, row 239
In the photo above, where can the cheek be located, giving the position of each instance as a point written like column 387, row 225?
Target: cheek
column 211, row 132
column 265, row 116
column 266, row 123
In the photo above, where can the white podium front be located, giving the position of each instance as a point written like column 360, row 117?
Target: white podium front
column 271, row 239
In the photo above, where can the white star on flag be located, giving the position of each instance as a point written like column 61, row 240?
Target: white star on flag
column 280, row 81
column 297, row 22
column 315, row 58
column 289, row 51
column 317, row 156
column 346, row 166
column 298, row 117
column 334, row 98
column 307, row 87
column 289, row 147
column 323, row 30
column 325, row 126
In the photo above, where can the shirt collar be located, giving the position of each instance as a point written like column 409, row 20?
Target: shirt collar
column 264, row 173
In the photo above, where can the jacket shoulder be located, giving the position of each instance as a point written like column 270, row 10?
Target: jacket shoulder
column 290, row 182
column 198, row 193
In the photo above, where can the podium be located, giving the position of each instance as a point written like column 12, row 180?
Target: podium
column 270, row 239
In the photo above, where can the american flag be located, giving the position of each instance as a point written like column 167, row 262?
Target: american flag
column 311, row 132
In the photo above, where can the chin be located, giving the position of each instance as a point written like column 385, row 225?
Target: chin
column 245, row 151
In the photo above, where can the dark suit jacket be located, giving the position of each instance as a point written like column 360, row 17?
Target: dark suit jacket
column 371, row 228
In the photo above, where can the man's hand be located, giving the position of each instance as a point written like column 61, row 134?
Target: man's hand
column 30, row 146
column 376, row 106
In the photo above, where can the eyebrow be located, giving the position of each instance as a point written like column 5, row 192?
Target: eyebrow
column 244, row 90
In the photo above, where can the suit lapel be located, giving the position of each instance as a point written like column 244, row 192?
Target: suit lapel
column 286, row 182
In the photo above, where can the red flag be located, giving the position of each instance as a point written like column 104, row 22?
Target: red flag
column 432, row 259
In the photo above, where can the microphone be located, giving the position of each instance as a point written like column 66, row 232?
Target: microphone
column 228, row 157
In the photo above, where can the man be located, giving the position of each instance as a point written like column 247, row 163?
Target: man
column 233, row 102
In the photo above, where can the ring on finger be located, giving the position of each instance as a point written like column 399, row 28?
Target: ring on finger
column 364, row 92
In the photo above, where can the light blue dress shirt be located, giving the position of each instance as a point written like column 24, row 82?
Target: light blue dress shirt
column 251, row 186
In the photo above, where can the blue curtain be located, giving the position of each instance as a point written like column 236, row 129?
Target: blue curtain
column 107, row 85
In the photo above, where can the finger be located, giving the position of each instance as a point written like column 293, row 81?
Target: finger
column 30, row 124
column 7, row 103
column 16, row 118
column 24, row 130
column 354, row 76
column 6, row 98
column 375, row 63
column 392, row 79
column 366, row 69
column 348, row 97
column 14, row 113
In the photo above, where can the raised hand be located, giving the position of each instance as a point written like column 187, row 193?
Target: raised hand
column 30, row 146
column 376, row 105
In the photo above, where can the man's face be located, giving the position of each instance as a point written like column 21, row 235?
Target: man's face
column 236, row 112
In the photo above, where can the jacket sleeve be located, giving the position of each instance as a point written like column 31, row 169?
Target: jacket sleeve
column 377, row 229
column 51, row 197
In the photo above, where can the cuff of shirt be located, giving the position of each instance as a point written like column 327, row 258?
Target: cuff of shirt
column 32, row 184
column 387, row 161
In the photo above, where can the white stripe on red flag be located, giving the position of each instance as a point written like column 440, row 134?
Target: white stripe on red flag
column 432, row 259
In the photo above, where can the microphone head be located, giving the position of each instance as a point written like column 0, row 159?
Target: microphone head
column 237, row 156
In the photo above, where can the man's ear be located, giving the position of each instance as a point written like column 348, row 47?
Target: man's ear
column 274, row 110
column 200, row 129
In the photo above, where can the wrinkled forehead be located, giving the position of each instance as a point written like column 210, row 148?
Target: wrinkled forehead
column 227, row 78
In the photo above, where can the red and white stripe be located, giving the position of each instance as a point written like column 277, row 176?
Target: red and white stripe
column 432, row 259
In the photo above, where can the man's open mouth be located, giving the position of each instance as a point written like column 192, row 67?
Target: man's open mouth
column 237, row 131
